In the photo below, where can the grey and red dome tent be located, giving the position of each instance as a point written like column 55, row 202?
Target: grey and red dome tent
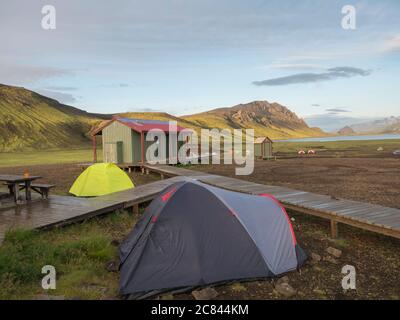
column 194, row 234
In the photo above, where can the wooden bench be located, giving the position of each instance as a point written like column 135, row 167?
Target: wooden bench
column 41, row 188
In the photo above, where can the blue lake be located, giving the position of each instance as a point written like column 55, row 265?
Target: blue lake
column 345, row 138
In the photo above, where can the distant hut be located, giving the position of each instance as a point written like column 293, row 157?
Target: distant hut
column 124, row 139
column 263, row 147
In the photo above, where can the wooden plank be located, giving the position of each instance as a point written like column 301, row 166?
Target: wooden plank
column 362, row 207
column 314, row 204
column 294, row 195
column 135, row 209
column 390, row 221
column 333, row 208
column 334, row 229
column 352, row 222
column 371, row 213
column 305, row 201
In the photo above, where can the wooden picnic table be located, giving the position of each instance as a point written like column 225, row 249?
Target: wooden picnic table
column 14, row 181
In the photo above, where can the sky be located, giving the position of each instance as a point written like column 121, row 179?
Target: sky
column 188, row 56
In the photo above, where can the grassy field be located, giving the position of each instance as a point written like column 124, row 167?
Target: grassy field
column 331, row 149
column 339, row 148
column 80, row 253
column 30, row 158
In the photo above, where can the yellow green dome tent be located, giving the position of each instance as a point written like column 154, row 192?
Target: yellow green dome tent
column 100, row 179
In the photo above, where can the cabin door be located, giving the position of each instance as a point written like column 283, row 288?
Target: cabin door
column 120, row 152
column 110, row 153
column 114, row 152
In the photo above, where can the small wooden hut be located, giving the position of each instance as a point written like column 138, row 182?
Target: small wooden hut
column 263, row 148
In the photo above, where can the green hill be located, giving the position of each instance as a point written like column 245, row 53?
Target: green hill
column 31, row 121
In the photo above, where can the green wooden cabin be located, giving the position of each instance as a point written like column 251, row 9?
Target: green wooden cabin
column 124, row 139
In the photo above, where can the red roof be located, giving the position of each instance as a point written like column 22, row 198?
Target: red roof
column 139, row 125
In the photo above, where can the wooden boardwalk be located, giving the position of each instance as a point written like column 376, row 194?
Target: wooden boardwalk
column 62, row 210
column 366, row 216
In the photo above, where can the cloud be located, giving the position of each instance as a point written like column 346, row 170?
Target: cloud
column 61, row 88
column 59, row 96
column 313, row 56
column 348, row 72
column 332, row 122
column 11, row 73
column 315, row 105
column 292, row 66
column 337, row 110
column 144, row 110
column 392, row 45
column 330, row 74
column 116, row 85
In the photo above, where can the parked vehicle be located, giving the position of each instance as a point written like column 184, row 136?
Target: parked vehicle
column 396, row 153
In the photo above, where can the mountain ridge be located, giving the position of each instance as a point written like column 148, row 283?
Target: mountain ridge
column 386, row 125
column 267, row 119
column 31, row 121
